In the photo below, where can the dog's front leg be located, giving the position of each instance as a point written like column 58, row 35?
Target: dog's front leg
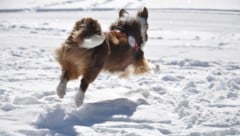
column 81, row 93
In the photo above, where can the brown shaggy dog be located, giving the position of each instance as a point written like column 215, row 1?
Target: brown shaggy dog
column 87, row 50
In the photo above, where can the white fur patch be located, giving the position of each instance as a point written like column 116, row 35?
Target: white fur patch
column 79, row 98
column 93, row 41
column 128, row 71
column 143, row 29
column 125, row 14
column 128, row 18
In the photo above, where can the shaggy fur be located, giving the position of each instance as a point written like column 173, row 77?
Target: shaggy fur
column 113, row 54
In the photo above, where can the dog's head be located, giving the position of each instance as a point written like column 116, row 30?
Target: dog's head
column 85, row 28
column 135, row 26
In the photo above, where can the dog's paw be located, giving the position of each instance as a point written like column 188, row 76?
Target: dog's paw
column 61, row 89
column 79, row 98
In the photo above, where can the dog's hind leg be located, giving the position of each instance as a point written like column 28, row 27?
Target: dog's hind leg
column 61, row 88
column 89, row 76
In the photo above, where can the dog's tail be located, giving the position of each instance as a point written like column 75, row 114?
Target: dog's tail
column 60, row 54
column 62, row 57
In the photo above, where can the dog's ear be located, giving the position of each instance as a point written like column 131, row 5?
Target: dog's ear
column 143, row 13
column 123, row 13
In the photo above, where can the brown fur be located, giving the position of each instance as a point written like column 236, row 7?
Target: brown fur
column 114, row 54
column 78, row 61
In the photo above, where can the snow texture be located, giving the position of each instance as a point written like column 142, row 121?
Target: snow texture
column 193, row 89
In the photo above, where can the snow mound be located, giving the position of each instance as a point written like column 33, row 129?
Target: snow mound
column 7, row 107
column 189, row 63
column 52, row 118
column 57, row 117
column 25, row 100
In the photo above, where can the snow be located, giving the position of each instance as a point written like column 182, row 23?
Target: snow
column 193, row 89
column 114, row 4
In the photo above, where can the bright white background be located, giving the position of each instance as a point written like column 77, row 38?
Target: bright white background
column 195, row 92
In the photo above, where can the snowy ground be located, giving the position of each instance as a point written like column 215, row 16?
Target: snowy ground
column 195, row 92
